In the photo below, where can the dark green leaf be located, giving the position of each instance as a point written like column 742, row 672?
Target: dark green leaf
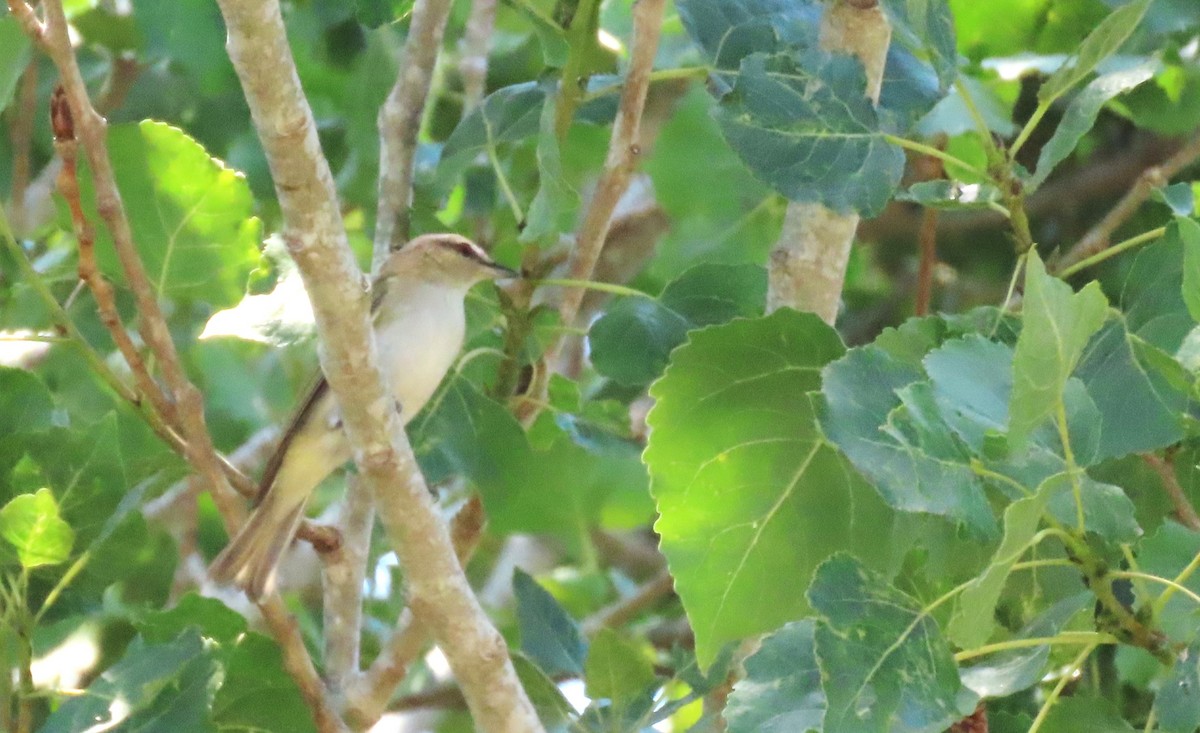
column 128, row 690
column 254, row 673
column 747, row 489
column 806, row 127
column 781, row 691
column 213, row 619
column 632, row 341
column 927, row 28
column 884, row 663
column 1150, row 293
column 31, row 523
column 1166, row 553
column 883, row 415
column 1188, row 232
column 1099, row 45
column 729, row 30
column 549, row 636
column 1178, row 700
column 1140, row 409
column 25, row 405
column 1058, row 324
column 1082, row 113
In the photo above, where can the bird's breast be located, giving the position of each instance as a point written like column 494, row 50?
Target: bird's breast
column 418, row 342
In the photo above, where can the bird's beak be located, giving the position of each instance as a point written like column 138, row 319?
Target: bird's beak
column 502, row 272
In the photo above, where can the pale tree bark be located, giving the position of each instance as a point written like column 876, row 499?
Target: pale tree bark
column 399, row 123
column 807, row 269
column 438, row 591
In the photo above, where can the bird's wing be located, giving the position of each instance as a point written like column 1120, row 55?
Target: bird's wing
column 300, row 417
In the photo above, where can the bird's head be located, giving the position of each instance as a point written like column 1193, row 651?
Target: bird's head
column 448, row 258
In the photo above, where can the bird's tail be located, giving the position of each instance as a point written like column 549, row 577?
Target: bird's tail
column 250, row 559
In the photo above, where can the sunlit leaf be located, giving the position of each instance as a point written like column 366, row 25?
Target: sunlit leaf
column 31, row 523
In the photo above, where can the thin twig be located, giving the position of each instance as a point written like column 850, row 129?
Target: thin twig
column 932, row 169
column 626, row 609
column 474, row 47
column 623, row 155
column 400, row 121
column 342, row 582
column 1184, row 511
column 1155, row 177
column 369, row 698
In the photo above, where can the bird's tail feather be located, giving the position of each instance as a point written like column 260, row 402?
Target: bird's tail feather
column 250, row 559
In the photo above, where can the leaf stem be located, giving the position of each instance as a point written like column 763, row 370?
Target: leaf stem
column 1072, row 467
column 1027, row 130
column 1067, row 637
column 933, row 152
column 1172, row 585
column 1069, row 674
column 1161, row 601
column 592, row 285
column 1113, row 251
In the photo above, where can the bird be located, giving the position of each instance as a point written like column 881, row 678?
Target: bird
column 419, row 324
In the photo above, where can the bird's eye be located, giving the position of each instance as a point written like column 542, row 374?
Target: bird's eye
column 467, row 250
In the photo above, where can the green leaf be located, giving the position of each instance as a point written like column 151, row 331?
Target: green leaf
column 973, row 621
column 25, row 404
column 31, row 523
column 1151, row 293
column 1085, row 713
column 729, row 30
column 554, row 205
column 927, row 28
column 551, row 705
column 883, row 660
column 616, row 669
column 467, row 433
column 1188, row 232
column 632, row 341
column 805, row 127
column 213, row 619
column 781, row 690
column 14, row 57
column 190, row 36
column 1082, row 113
column 1057, row 326
column 192, row 217
column 884, row 416
column 549, row 636
column 254, row 673
column 1140, row 408
column 1178, row 700
column 1101, row 43
column 748, row 491
column 128, row 693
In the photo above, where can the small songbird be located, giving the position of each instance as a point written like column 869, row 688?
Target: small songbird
column 419, row 323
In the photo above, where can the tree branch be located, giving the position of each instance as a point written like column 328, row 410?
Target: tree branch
column 438, row 590
column 1100, row 236
column 399, row 123
column 807, row 269
column 344, row 572
column 1184, row 511
column 626, row 609
column 623, row 154
column 474, row 46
